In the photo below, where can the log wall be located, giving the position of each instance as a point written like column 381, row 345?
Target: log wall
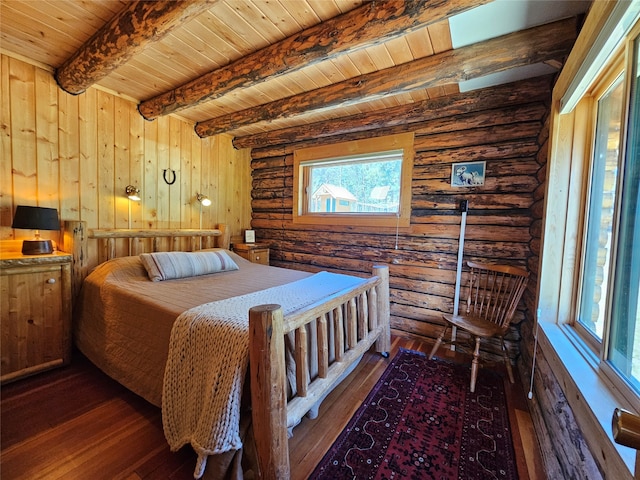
column 499, row 125
column 78, row 153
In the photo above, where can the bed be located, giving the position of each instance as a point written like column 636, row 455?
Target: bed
column 174, row 342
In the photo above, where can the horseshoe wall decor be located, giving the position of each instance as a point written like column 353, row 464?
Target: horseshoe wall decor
column 173, row 176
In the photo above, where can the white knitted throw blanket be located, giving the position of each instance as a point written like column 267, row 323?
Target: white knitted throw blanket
column 207, row 362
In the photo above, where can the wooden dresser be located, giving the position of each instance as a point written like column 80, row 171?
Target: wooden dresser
column 254, row 252
column 35, row 313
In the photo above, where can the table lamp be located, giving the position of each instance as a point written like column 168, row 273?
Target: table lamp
column 36, row 218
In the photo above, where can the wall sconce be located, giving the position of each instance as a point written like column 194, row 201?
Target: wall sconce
column 203, row 199
column 133, row 193
column 204, row 202
column 36, row 218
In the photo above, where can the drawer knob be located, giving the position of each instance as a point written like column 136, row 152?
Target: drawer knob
column 51, row 280
column 257, row 257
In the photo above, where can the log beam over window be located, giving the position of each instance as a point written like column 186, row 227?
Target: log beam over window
column 539, row 44
column 126, row 35
column 532, row 90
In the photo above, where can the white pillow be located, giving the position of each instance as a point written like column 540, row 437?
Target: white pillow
column 171, row 265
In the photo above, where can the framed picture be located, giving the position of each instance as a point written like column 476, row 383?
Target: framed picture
column 468, row 174
column 249, row 236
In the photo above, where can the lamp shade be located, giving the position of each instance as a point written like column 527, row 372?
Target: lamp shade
column 36, row 218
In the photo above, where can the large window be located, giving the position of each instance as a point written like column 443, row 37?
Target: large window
column 365, row 182
column 607, row 314
column 624, row 338
column 588, row 281
column 604, row 181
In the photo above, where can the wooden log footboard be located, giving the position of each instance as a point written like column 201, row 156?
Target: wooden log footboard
column 360, row 318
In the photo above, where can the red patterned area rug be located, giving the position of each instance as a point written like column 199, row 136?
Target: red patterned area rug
column 421, row 422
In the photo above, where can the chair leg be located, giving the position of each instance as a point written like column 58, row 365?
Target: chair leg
column 474, row 365
column 507, row 361
column 438, row 342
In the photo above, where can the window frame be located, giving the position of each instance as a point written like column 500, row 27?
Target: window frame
column 588, row 106
column 621, row 63
column 403, row 141
column 585, row 381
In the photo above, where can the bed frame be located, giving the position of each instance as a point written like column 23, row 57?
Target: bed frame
column 359, row 316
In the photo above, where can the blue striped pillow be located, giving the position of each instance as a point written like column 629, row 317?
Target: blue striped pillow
column 170, row 265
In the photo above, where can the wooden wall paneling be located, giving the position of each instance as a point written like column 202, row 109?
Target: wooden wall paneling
column 136, row 163
column 6, row 177
column 88, row 155
column 46, row 97
column 151, row 176
column 68, row 154
column 229, row 187
column 106, row 164
column 185, row 177
column 244, row 166
column 186, row 187
column 121, row 153
column 218, row 169
column 175, row 165
column 23, row 135
column 232, row 174
column 196, row 180
column 184, row 180
column 207, row 184
column 186, row 163
column 211, row 186
column 239, row 187
column 163, row 165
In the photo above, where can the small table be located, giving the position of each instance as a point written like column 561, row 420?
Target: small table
column 254, row 252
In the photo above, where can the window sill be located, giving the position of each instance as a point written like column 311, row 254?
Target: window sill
column 592, row 401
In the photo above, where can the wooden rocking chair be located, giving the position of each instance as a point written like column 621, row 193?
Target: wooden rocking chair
column 493, row 296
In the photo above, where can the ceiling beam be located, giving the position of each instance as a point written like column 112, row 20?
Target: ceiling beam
column 128, row 33
column 371, row 24
column 399, row 116
column 535, row 45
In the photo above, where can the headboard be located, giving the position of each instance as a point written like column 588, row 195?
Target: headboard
column 117, row 242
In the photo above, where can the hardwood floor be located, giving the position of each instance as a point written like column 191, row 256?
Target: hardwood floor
column 76, row 423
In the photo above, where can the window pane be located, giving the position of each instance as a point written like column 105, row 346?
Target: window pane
column 604, row 174
column 368, row 184
column 624, row 349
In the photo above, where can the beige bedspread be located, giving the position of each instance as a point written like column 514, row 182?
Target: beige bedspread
column 123, row 321
column 208, row 357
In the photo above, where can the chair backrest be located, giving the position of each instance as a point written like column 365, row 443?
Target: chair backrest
column 494, row 291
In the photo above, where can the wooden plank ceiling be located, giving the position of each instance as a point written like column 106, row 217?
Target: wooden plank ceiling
column 246, row 67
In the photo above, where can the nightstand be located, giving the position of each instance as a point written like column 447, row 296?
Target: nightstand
column 35, row 313
column 254, row 252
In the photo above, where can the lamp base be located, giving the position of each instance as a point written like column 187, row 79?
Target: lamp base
column 36, row 247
